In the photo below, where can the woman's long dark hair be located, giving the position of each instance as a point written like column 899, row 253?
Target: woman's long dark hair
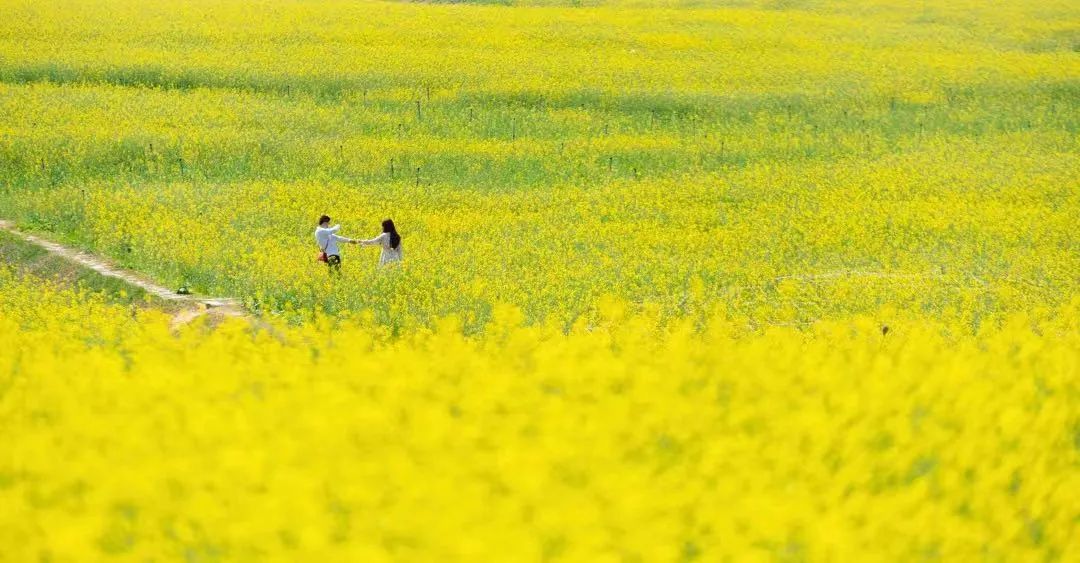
column 388, row 227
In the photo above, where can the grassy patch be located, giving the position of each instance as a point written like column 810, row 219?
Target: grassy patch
column 29, row 259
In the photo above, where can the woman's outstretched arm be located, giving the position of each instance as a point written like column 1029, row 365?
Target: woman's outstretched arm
column 377, row 240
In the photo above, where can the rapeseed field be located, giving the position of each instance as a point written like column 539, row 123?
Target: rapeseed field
column 616, row 441
column 786, row 280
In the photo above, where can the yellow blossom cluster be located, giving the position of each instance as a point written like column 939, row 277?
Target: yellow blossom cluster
column 611, row 442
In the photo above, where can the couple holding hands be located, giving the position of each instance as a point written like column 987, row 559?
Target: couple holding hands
column 328, row 239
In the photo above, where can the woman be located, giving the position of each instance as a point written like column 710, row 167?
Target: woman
column 327, row 239
column 390, row 241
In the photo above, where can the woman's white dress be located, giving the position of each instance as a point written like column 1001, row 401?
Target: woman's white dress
column 388, row 254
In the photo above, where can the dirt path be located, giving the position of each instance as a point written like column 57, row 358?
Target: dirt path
column 199, row 306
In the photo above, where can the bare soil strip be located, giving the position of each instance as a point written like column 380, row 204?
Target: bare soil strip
column 216, row 306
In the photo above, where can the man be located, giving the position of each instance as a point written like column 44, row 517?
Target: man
column 328, row 239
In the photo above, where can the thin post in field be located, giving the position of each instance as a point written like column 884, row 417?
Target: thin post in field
column 418, row 110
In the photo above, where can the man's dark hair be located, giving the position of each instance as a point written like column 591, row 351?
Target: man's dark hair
column 324, row 219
